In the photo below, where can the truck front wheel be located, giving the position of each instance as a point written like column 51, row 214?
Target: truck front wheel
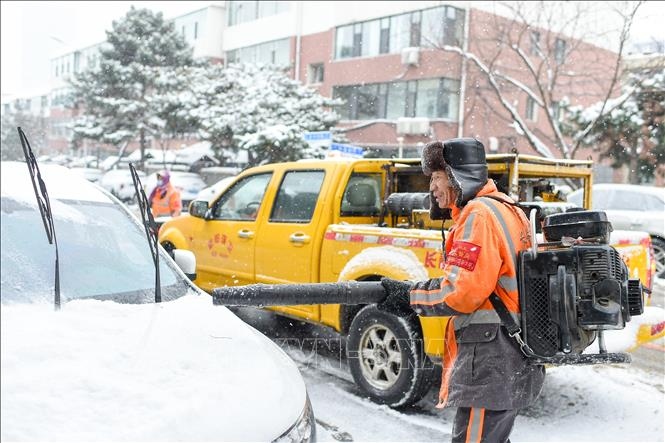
column 386, row 357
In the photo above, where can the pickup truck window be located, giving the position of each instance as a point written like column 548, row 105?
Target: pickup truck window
column 243, row 200
column 297, row 197
column 362, row 195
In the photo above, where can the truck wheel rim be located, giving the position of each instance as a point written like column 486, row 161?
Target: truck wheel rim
column 659, row 255
column 380, row 357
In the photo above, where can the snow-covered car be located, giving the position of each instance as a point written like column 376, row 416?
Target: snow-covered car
column 632, row 208
column 119, row 183
column 188, row 183
column 90, row 174
column 211, row 191
column 111, row 363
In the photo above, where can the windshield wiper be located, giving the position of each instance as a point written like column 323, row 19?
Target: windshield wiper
column 44, row 206
column 148, row 225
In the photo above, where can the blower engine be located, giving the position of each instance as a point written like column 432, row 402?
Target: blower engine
column 572, row 288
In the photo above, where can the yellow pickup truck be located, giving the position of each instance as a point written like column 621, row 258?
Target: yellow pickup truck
column 337, row 220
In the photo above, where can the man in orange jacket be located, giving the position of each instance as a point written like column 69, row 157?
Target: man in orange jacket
column 165, row 199
column 485, row 375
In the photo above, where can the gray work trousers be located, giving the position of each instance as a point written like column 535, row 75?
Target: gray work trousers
column 483, row 425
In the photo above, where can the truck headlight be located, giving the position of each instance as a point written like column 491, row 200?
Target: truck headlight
column 303, row 430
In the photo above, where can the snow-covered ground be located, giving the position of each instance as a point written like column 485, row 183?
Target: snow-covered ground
column 584, row 403
column 604, row 403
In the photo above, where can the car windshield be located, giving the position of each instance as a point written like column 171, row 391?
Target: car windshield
column 103, row 254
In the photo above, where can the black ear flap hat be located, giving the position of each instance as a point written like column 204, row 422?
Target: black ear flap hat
column 464, row 161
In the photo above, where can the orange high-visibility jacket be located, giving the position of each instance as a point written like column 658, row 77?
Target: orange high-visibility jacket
column 483, row 367
column 166, row 202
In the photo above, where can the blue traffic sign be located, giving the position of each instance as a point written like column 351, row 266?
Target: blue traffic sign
column 317, row 135
column 348, row 150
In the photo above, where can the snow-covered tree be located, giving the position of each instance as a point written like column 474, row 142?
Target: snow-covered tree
column 256, row 108
column 632, row 134
column 539, row 50
column 35, row 128
column 122, row 100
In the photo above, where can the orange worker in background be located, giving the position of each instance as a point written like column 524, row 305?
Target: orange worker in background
column 165, row 198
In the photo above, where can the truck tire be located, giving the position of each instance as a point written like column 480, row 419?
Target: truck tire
column 386, row 357
column 659, row 255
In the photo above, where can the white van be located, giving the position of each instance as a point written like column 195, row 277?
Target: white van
column 112, row 364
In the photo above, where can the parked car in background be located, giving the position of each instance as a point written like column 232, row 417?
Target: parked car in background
column 634, row 208
column 188, row 183
column 90, row 174
column 112, row 364
column 210, row 192
column 119, row 183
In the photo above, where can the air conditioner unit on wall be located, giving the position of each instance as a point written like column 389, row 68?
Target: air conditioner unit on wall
column 410, row 56
column 494, row 144
column 404, row 125
column 420, row 125
column 412, row 126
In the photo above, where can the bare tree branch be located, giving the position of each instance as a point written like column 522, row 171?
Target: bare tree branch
column 625, row 32
column 534, row 141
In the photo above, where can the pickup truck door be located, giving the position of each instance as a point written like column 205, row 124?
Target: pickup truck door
column 287, row 244
column 226, row 241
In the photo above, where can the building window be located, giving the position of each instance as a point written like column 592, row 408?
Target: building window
column 246, row 11
column 274, row 52
column 414, row 31
column 196, row 30
column 315, row 73
column 395, row 100
column 437, row 26
column 384, row 36
column 535, row 42
column 410, row 108
column 344, row 42
column 559, row 51
column 400, row 28
column 442, row 26
column 432, row 98
column 357, row 42
column 531, row 110
column 557, row 112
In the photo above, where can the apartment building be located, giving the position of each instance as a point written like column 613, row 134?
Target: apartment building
column 36, row 105
column 401, row 90
column 384, row 59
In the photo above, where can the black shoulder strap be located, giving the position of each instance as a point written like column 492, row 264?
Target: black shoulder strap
column 511, row 326
column 506, row 319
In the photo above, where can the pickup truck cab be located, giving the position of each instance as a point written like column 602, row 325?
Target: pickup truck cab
column 336, row 220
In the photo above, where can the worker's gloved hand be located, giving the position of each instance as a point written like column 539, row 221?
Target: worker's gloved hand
column 397, row 299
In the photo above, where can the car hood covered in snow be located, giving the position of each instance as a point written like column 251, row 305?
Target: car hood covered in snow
column 99, row 370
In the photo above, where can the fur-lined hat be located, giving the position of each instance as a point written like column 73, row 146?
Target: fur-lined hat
column 464, row 161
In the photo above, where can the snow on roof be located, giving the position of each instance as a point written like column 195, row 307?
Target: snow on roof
column 195, row 152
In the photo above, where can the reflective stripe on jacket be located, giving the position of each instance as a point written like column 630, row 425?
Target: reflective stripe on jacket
column 482, row 366
column 166, row 202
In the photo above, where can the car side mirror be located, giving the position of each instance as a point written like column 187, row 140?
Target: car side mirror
column 186, row 261
column 198, row 208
